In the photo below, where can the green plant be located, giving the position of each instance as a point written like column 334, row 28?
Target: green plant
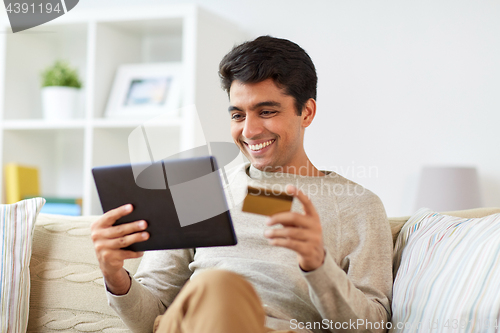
column 60, row 74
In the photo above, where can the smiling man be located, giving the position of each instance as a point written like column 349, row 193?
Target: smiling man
column 268, row 127
column 325, row 266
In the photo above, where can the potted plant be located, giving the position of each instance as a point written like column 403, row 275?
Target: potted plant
column 60, row 89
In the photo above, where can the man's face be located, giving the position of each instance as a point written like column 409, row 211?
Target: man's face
column 265, row 125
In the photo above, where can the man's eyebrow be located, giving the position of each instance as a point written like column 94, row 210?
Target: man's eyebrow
column 256, row 106
column 233, row 108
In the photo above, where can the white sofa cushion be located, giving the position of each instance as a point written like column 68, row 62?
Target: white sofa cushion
column 447, row 274
column 67, row 293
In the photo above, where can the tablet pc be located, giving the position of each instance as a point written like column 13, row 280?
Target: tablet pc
column 182, row 201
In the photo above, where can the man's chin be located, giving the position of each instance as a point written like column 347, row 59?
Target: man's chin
column 261, row 164
column 265, row 167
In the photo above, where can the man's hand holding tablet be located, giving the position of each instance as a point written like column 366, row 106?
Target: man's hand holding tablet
column 109, row 241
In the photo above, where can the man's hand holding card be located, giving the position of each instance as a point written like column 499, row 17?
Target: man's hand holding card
column 301, row 232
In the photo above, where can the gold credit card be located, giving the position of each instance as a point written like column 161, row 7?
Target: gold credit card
column 266, row 202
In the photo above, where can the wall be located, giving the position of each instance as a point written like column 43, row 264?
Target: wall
column 401, row 84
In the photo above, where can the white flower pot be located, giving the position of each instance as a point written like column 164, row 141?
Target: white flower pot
column 59, row 103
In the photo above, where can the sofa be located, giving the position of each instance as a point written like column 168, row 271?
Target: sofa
column 67, row 292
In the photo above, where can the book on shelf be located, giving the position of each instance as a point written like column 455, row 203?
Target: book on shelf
column 20, row 182
column 63, row 200
column 62, row 206
column 61, row 209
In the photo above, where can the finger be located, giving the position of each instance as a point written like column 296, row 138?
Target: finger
column 304, row 199
column 124, row 229
column 110, row 217
column 121, row 242
column 292, row 233
column 291, row 219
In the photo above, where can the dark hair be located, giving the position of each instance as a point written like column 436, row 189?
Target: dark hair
column 266, row 57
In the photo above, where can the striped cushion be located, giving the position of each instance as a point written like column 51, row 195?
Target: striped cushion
column 448, row 274
column 17, row 223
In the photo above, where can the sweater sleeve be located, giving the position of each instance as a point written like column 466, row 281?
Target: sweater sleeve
column 356, row 290
column 159, row 278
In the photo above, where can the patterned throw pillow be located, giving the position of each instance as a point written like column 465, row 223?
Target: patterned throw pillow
column 17, row 223
column 447, row 274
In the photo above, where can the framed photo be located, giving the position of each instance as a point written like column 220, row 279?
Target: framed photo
column 145, row 90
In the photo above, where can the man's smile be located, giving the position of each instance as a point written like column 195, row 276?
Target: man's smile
column 260, row 146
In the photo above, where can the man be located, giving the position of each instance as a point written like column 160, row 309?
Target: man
column 325, row 266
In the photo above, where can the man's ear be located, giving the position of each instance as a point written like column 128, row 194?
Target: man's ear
column 308, row 112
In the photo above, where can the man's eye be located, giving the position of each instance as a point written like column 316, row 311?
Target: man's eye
column 236, row 116
column 267, row 113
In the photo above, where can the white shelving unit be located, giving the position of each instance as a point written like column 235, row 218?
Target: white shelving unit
column 97, row 43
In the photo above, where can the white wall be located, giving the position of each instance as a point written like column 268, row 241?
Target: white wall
column 401, row 84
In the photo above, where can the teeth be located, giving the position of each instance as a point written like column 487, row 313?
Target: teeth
column 260, row 145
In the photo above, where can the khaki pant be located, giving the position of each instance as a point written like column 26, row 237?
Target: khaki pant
column 215, row 301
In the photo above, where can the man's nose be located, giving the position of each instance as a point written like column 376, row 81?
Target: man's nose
column 253, row 127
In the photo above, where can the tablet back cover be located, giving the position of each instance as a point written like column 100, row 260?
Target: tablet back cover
column 182, row 201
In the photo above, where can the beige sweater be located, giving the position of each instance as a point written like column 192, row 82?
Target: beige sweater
column 352, row 288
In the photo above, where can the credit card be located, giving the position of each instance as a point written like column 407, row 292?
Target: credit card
column 266, row 202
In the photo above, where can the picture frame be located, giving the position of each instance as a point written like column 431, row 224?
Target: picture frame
column 142, row 91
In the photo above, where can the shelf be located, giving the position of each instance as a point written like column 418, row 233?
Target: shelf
column 132, row 42
column 97, row 43
column 131, row 123
column 28, row 53
column 41, row 124
column 57, row 154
